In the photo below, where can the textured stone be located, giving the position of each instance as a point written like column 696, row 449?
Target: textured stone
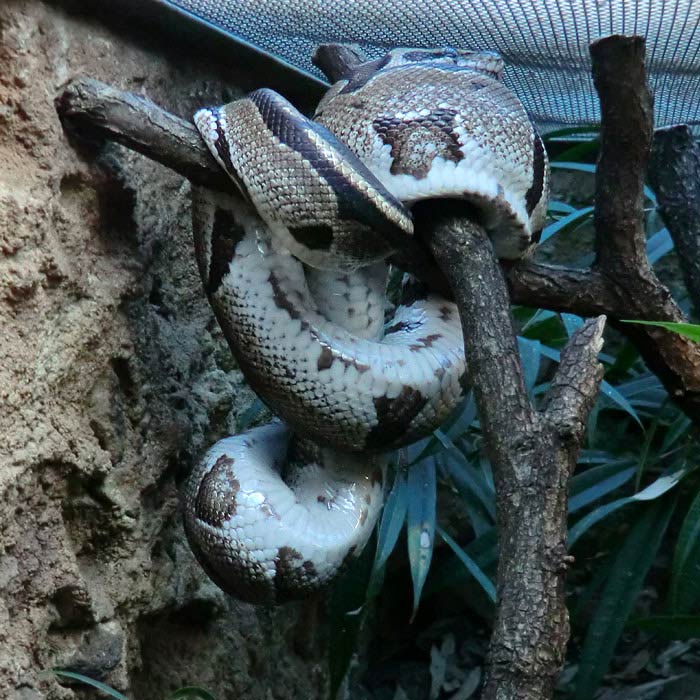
column 113, row 378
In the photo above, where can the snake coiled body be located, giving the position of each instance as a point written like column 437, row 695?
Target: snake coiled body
column 292, row 264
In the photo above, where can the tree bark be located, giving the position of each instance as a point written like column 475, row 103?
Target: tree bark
column 532, row 453
column 674, row 174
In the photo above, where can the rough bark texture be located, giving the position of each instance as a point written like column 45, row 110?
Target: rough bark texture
column 622, row 283
column 113, row 375
column 533, row 455
column 674, row 173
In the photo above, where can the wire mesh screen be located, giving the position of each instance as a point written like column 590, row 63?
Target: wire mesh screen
column 544, row 42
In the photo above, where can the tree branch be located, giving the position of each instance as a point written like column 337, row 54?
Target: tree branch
column 91, row 107
column 674, row 174
column 532, row 454
column 335, row 60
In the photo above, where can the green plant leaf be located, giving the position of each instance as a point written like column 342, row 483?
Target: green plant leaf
column 684, row 591
column 483, row 551
column 578, row 151
column 570, row 220
column 653, row 491
column 611, row 477
column 689, row 330
column 420, row 519
column 631, row 565
column 530, row 357
column 192, row 692
column 670, row 626
column 658, row 245
column 346, row 613
column 471, row 566
column 558, row 134
column 393, row 517
column 557, row 207
column 86, row 680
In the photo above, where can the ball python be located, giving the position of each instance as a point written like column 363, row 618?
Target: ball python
column 292, row 262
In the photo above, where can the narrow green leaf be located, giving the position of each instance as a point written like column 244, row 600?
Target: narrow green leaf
column 346, row 612
column 578, row 151
column 575, row 218
column 619, row 595
column 670, row 626
column 658, row 245
column 558, row 134
column 689, row 330
column 110, row 692
column 570, row 165
column 657, row 488
column 595, row 516
column 530, row 357
column 193, row 692
column 600, row 489
column 483, row 551
column 685, row 571
column 556, row 207
column 463, row 419
column 678, row 429
column 420, row 531
column 392, row 521
column 471, row 566
column 645, row 452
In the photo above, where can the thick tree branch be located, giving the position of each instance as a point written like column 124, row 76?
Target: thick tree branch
column 625, row 144
column 674, row 173
column 90, row 107
column 533, row 455
column 334, row 60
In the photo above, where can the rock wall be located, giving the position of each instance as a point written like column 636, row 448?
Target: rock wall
column 113, row 377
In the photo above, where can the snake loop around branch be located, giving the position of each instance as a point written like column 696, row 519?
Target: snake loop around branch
column 292, row 264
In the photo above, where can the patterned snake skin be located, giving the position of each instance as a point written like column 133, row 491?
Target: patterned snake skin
column 292, row 266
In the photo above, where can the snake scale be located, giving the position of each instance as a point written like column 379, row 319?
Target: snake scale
column 293, row 265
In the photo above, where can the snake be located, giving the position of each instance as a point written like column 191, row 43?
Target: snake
column 293, row 263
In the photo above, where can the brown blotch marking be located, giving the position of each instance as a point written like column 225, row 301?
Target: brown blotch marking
column 445, row 313
column 226, row 234
column 394, row 417
column 289, row 575
column 368, row 499
column 409, row 141
column 363, row 516
column 376, row 476
column 216, row 496
column 313, row 236
column 426, row 342
column 281, row 299
column 325, row 359
column 534, row 194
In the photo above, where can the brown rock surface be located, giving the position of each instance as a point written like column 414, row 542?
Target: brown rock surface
column 113, row 378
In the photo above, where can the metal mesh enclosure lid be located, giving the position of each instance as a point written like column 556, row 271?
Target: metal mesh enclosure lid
column 544, row 42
